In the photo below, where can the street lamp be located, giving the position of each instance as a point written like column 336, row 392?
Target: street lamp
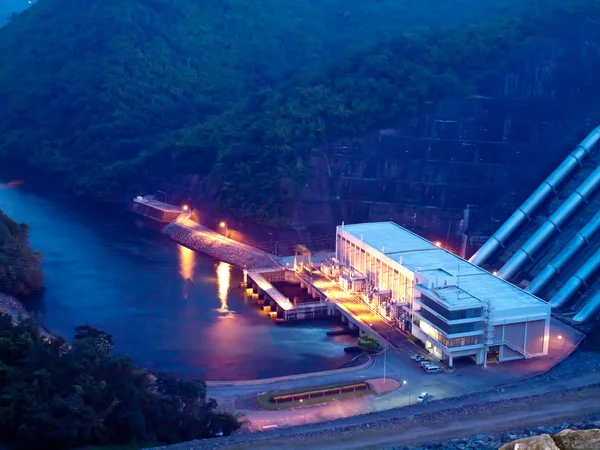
column 384, row 359
column 404, row 383
column 186, row 208
column 224, row 225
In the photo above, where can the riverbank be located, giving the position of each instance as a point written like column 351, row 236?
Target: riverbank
column 201, row 239
column 14, row 308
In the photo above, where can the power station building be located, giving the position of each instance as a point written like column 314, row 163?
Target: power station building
column 455, row 308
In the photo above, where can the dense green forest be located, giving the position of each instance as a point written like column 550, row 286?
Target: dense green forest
column 20, row 271
column 99, row 91
column 55, row 396
column 263, row 144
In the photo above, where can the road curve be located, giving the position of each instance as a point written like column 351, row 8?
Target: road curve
column 438, row 426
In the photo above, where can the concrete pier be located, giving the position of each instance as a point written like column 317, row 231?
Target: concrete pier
column 259, row 283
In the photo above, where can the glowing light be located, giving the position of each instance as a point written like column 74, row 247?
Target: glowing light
column 186, row 207
column 560, row 336
column 223, row 283
column 187, row 262
column 222, row 224
column 494, row 273
column 438, row 244
column 404, row 382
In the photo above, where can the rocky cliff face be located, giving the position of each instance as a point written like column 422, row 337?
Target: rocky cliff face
column 565, row 440
column 485, row 152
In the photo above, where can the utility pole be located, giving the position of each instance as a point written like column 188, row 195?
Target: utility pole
column 384, row 359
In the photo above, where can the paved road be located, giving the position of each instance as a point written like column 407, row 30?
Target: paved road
column 398, row 366
column 359, row 310
column 529, row 404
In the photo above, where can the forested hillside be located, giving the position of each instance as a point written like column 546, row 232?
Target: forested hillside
column 60, row 396
column 263, row 145
column 99, row 90
column 20, row 271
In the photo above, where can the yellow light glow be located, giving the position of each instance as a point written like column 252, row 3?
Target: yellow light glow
column 223, row 283
column 222, row 224
column 560, row 336
column 186, row 207
column 438, row 243
column 187, row 262
column 494, row 273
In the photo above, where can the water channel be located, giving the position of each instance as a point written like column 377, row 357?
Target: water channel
column 169, row 308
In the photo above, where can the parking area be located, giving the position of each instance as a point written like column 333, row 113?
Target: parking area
column 468, row 377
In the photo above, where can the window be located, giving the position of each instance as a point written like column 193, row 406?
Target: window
column 450, row 315
column 449, row 328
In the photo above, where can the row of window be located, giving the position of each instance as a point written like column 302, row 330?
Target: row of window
column 442, row 339
column 450, row 315
column 447, row 328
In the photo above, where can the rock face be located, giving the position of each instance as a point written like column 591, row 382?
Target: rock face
column 489, row 151
column 577, row 439
column 542, row 442
column 565, row 440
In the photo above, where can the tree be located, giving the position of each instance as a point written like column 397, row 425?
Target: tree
column 368, row 344
column 20, row 270
column 56, row 396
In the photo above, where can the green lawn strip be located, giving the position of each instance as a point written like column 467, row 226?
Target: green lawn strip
column 263, row 399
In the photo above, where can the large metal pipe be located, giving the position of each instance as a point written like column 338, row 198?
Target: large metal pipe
column 552, row 224
column 573, row 284
column 549, row 185
column 577, row 242
column 590, row 309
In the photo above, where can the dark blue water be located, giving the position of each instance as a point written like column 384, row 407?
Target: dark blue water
column 169, row 308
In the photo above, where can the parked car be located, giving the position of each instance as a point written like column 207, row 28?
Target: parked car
column 422, row 397
column 417, row 358
column 433, row 369
column 426, row 362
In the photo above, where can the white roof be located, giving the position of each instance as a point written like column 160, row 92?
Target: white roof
column 419, row 255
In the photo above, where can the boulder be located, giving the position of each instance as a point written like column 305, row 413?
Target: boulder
column 541, row 442
column 577, row 440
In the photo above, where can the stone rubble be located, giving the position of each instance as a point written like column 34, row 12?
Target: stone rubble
column 579, row 435
column 216, row 247
column 14, row 308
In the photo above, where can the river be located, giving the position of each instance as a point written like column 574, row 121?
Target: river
column 169, row 308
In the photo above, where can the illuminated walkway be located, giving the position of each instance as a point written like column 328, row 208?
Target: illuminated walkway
column 358, row 310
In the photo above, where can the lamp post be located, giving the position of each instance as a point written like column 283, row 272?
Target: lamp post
column 224, row 225
column 384, row 359
column 404, row 383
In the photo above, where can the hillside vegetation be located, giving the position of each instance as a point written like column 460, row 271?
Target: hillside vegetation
column 98, row 91
column 263, row 145
column 56, row 396
column 20, row 271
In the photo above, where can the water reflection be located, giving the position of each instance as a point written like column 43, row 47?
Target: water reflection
column 187, row 262
column 223, row 282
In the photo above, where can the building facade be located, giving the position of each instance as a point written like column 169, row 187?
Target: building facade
column 456, row 309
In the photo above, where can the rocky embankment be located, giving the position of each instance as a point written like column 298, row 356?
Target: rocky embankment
column 14, row 308
column 564, row 440
column 582, row 435
column 216, row 246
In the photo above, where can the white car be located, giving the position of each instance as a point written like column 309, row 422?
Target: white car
column 417, row 358
column 422, row 397
column 425, row 363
